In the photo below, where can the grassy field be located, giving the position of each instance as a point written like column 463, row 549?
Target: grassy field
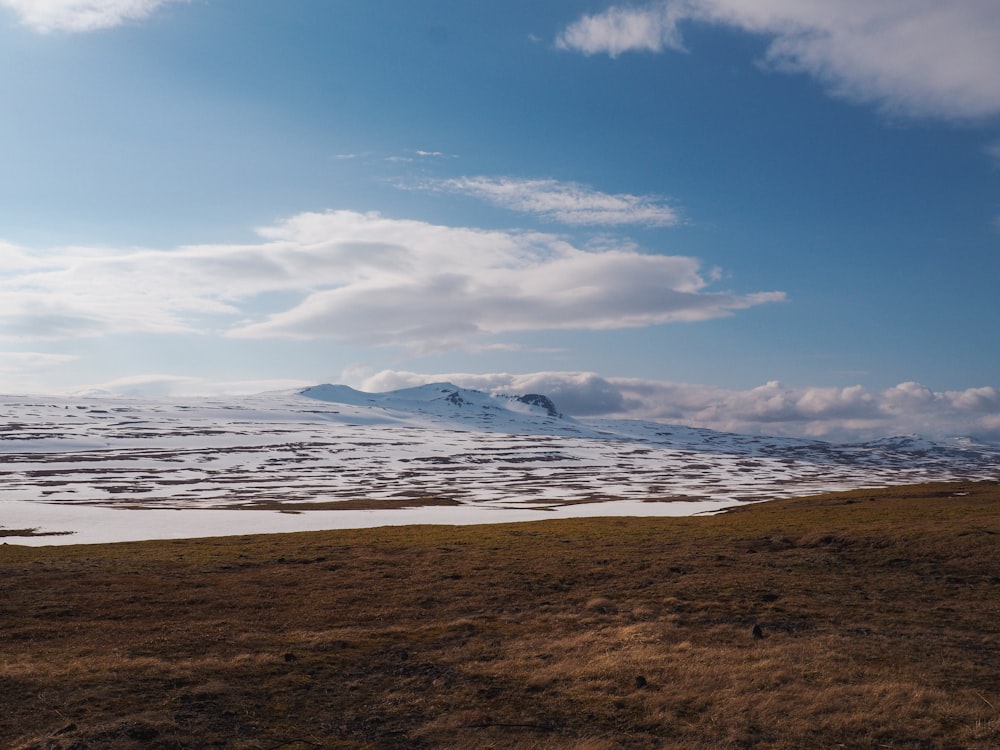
column 878, row 615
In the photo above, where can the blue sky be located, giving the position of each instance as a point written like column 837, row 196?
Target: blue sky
column 765, row 216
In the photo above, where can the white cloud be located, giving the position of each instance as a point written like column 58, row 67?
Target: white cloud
column 14, row 259
column 911, row 57
column 625, row 29
column 564, row 202
column 76, row 292
column 984, row 400
column 356, row 277
column 80, row 15
column 438, row 286
column 576, row 393
column 842, row 414
column 907, row 397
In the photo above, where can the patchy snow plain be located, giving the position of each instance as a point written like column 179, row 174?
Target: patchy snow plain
column 105, row 469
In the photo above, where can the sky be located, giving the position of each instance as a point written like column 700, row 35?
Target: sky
column 765, row 216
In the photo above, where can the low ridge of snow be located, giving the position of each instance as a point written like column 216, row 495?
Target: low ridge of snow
column 904, row 443
column 75, row 464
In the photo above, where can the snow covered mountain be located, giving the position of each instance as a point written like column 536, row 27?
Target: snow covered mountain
column 444, row 401
column 437, row 445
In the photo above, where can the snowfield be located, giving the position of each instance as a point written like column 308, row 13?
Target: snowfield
column 334, row 457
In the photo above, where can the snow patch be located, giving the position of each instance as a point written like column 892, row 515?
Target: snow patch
column 492, row 457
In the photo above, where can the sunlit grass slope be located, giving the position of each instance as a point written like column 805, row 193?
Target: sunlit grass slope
column 878, row 616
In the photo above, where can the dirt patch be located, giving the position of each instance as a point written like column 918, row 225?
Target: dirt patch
column 31, row 532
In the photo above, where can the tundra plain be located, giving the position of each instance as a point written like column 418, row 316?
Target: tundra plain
column 876, row 616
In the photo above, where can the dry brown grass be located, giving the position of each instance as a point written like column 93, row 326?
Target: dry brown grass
column 879, row 613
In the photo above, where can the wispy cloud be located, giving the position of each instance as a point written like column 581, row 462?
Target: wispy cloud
column 563, row 202
column 842, row 413
column 164, row 384
column 910, row 57
column 416, row 154
column 359, row 277
column 406, row 157
column 80, row 15
column 22, row 371
column 29, row 361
